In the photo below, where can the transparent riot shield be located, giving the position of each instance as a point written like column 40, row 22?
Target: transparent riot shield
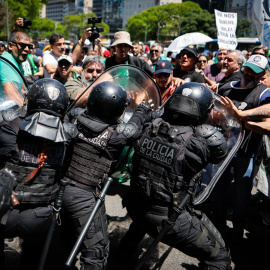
column 12, row 86
column 140, row 86
column 233, row 133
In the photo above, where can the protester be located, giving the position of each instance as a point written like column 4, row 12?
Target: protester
column 186, row 71
column 136, row 48
column 201, row 64
column 122, row 46
column 164, row 79
column 95, row 151
column 93, row 66
column 10, row 82
column 213, row 73
column 155, row 54
column 261, row 49
column 64, row 71
column 232, row 67
column 35, row 158
column 248, row 93
column 57, row 43
column 161, row 179
column 2, row 47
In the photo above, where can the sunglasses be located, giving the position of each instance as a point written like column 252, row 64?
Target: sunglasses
column 166, row 75
column 91, row 70
column 188, row 54
column 202, row 61
column 24, row 45
column 258, row 53
column 152, row 51
column 64, row 63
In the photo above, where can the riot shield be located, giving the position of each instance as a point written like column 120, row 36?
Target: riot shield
column 140, row 86
column 233, row 133
column 12, row 85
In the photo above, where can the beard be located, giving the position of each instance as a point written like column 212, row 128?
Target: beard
column 224, row 70
column 249, row 82
column 85, row 81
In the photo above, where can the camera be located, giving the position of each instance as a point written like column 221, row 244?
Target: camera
column 94, row 29
column 26, row 23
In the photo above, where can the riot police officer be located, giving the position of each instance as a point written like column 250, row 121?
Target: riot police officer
column 93, row 155
column 168, row 156
column 41, row 138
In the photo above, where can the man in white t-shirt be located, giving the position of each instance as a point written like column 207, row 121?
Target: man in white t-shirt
column 57, row 42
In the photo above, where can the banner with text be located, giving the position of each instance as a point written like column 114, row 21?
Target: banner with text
column 258, row 12
column 226, row 23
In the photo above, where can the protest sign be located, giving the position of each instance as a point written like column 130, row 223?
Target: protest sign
column 226, row 23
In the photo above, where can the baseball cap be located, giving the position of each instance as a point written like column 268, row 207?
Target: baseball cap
column 65, row 57
column 192, row 50
column 258, row 63
column 163, row 66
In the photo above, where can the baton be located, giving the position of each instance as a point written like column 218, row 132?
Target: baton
column 88, row 223
column 56, row 209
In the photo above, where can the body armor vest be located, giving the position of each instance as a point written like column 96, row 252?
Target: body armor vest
column 158, row 162
column 43, row 187
column 91, row 162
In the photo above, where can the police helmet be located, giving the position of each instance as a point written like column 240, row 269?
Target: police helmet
column 190, row 101
column 6, row 186
column 107, row 102
column 49, row 96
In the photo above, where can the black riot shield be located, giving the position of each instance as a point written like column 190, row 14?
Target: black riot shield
column 13, row 86
column 140, row 86
column 233, row 133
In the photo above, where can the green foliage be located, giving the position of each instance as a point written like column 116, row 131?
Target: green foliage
column 199, row 21
column 76, row 24
column 243, row 28
column 44, row 28
column 167, row 16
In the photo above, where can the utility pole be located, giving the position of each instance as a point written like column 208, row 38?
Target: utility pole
column 145, row 34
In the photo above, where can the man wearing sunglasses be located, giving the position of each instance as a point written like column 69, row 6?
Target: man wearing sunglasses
column 164, row 78
column 93, row 66
column 64, row 71
column 186, row 71
column 156, row 54
column 10, row 83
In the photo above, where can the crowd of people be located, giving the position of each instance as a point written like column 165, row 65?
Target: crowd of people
column 40, row 144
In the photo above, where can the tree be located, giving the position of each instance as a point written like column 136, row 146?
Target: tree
column 76, row 24
column 22, row 8
column 199, row 21
column 162, row 22
column 44, row 28
column 243, row 28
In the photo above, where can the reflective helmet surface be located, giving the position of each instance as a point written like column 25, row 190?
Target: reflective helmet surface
column 192, row 101
column 49, row 96
column 107, row 102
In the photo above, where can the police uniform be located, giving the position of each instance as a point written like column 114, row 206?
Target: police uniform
column 34, row 149
column 93, row 155
column 167, row 158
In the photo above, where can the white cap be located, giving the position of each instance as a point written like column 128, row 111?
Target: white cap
column 65, row 57
column 258, row 63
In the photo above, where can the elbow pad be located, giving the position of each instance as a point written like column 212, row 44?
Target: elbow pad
column 129, row 130
column 215, row 140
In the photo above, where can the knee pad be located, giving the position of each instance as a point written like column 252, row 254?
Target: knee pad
column 209, row 230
